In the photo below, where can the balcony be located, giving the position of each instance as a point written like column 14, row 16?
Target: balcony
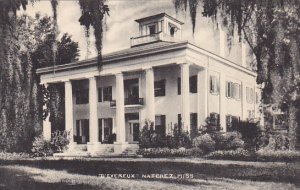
column 160, row 36
column 129, row 102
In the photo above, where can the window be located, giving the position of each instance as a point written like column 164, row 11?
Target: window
column 172, row 31
column 160, row 124
column 160, row 88
column 81, row 134
column 192, row 84
column 249, row 95
column 105, row 94
column 214, row 118
column 105, row 130
column 82, row 96
column 194, row 123
column 231, row 121
column 233, row 90
column 214, row 84
column 152, row 29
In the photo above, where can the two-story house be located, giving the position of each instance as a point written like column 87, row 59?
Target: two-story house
column 160, row 78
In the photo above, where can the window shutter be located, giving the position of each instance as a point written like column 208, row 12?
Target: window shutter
column 100, row 130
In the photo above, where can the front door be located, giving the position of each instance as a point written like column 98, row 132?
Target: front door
column 135, row 131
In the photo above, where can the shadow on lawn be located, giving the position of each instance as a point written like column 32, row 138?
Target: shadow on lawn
column 283, row 173
column 17, row 180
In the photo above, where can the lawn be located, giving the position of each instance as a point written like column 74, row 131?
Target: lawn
column 207, row 174
column 15, row 177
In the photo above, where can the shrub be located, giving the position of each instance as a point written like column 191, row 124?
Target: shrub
column 205, row 143
column 166, row 152
column 13, row 156
column 228, row 141
column 251, row 133
column 277, row 142
column 277, row 156
column 238, row 154
column 58, row 143
column 41, row 147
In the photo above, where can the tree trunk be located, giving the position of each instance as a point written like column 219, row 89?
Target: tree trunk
column 292, row 127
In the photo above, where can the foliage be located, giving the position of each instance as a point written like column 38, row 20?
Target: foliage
column 252, row 134
column 204, row 143
column 277, row 142
column 41, row 147
column 271, row 29
column 92, row 14
column 212, row 124
column 150, row 139
column 238, row 154
column 58, row 143
column 178, row 138
column 59, row 140
column 13, row 156
column 278, row 156
column 167, row 152
column 228, row 141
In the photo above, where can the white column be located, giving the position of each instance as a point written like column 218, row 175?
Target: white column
column 185, row 96
column 93, row 101
column 69, row 112
column 222, row 101
column 150, row 99
column 46, row 123
column 222, row 41
column 202, row 106
column 120, row 110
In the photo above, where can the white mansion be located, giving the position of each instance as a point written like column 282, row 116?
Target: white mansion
column 159, row 78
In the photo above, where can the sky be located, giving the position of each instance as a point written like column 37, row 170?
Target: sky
column 120, row 25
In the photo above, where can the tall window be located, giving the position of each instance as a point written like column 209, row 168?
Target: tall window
column 82, row 96
column 81, row 134
column 233, row 90
column 214, row 84
column 192, row 84
column 105, row 130
column 160, row 124
column 105, row 94
column 160, row 88
column 249, row 95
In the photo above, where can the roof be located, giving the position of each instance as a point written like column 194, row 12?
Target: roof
column 138, row 51
column 158, row 16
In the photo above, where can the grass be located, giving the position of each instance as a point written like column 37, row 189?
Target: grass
column 23, row 177
column 257, row 171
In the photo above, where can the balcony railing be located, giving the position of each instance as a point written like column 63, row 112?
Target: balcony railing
column 152, row 38
column 129, row 101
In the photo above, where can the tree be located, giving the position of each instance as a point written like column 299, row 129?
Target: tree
column 271, row 29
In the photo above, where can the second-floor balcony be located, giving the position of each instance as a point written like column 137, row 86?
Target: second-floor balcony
column 133, row 101
column 159, row 36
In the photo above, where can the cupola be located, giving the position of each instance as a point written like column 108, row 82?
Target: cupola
column 155, row 28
